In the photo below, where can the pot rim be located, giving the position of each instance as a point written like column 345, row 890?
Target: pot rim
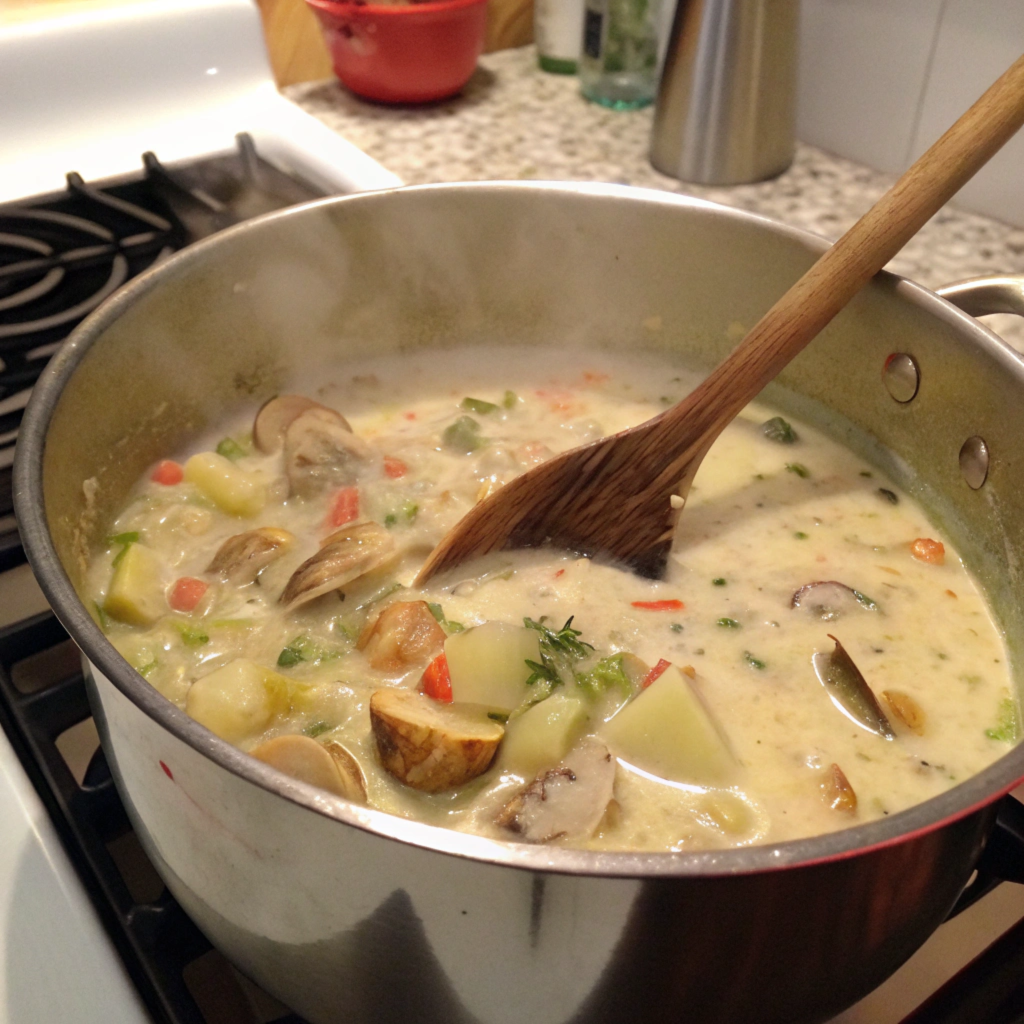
column 968, row 797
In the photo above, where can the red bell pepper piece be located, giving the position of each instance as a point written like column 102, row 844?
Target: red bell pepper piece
column 654, row 673
column 436, row 682
column 660, row 606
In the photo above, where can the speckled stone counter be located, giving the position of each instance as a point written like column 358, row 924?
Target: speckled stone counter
column 514, row 121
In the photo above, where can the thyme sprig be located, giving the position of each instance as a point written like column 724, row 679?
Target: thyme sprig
column 559, row 652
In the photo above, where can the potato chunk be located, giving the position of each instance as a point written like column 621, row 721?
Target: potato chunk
column 238, row 700
column 136, row 594
column 231, row 489
column 487, row 664
column 405, row 633
column 432, row 746
column 667, row 730
column 542, row 736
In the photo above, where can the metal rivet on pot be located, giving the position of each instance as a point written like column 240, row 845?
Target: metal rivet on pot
column 902, row 377
column 974, row 461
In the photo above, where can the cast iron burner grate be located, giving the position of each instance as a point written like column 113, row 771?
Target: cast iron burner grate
column 172, row 964
column 61, row 255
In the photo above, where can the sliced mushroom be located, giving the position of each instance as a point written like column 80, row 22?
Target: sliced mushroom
column 837, row 791
column 849, row 690
column 906, row 709
column 240, row 559
column 329, row 766
column 829, row 599
column 344, row 555
column 275, row 416
column 432, row 746
column 320, row 451
column 405, row 633
column 567, row 802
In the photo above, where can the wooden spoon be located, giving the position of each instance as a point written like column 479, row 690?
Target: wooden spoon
column 621, row 496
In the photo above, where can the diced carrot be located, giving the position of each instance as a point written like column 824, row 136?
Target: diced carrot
column 951, row 593
column 409, row 415
column 926, row 550
column 660, row 606
column 689, row 670
column 344, row 507
column 437, row 682
column 594, row 378
column 187, row 593
column 394, row 468
column 654, row 673
column 561, row 572
column 168, row 472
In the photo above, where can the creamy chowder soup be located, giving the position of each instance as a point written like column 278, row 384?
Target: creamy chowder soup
column 816, row 655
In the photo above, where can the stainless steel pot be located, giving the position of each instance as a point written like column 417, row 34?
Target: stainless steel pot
column 349, row 914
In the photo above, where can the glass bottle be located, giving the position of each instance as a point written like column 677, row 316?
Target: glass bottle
column 619, row 61
column 558, row 30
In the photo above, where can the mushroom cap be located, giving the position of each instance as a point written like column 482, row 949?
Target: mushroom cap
column 275, row 416
column 320, row 451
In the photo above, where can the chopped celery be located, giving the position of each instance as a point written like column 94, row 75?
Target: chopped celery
column 754, row 662
column 799, row 468
column 315, row 729
column 1008, row 729
column 606, row 674
column 231, row 449
column 191, row 636
column 479, row 406
column 145, row 670
column 463, row 435
column 126, row 540
column 102, row 620
column 728, row 623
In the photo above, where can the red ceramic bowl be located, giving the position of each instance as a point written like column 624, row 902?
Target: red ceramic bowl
column 403, row 54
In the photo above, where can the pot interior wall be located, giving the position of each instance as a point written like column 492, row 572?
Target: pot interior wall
column 231, row 320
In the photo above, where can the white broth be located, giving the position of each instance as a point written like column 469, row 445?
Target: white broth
column 685, row 713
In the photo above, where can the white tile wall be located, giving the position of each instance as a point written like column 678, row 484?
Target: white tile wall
column 881, row 79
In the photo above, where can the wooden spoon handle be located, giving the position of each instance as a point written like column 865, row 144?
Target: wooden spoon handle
column 849, row 264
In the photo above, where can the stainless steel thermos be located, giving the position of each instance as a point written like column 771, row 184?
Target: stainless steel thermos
column 726, row 106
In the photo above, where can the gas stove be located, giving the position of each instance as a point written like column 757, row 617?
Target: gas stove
column 131, row 129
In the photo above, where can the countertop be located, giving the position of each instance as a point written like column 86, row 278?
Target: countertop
column 513, row 121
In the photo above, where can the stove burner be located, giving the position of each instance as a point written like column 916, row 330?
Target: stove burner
column 61, row 255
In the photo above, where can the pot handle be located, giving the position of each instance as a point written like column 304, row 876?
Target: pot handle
column 1002, row 860
column 980, row 296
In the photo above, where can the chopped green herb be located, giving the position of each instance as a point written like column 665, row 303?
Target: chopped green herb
column 497, row 716
column 890, row 496
column 1008, row 729
column 728, row 623
column 778, row 430
column 231, row 449
column 405, row 513
column 438, row 612
column 463, row 435
column 800, row 535
column 799, row 468
column 606, row 674
column 676, row 627
column 303, row 648
column 559, row 651
column 101, row 617
column 665, row 400
column 315, row 729
column 865, row 472
column 754, row 662
column 479, row 406
column 510, row 399
column 719, row 581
